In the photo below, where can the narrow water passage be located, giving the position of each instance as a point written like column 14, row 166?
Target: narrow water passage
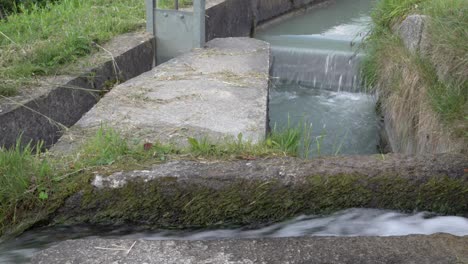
column 352, row 222
column 316, row 80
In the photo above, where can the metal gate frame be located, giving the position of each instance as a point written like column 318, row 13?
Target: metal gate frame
column 176, row 31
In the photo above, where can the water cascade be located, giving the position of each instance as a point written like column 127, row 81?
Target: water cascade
column 351, row 222
column 316, row 80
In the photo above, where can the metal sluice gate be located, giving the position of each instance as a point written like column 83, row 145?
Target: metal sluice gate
column 176, row 31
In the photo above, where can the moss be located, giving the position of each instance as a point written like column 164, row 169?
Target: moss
column 33, row 213
column 168, row 203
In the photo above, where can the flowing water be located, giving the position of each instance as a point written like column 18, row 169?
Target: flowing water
column 316, row 79
column 338, row 122
column 352, row 222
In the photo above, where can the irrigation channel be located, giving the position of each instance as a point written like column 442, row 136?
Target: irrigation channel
column 316, row 81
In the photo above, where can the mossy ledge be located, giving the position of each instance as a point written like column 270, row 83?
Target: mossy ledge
column 191, row 194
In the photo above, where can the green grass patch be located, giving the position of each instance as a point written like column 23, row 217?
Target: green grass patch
column 42, row 39
column 24, row 178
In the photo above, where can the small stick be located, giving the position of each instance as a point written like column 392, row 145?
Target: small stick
column 131, row 247
column 116, row 249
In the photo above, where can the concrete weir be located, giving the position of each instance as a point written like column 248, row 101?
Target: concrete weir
column 217, row 92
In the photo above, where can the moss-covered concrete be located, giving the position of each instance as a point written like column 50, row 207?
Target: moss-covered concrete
column 187, row 199
column 210, row 193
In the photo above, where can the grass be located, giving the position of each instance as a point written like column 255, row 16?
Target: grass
column 39, row 41
column 24, row 177
column 31, row 181
column 438, row 79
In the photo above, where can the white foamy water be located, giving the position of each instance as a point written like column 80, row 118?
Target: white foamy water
column 320, row 46
column 339, row 123
column 352, row 222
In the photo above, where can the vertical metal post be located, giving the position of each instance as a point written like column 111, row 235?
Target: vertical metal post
column 150, row 5
column 199, row 23
column 176, row 5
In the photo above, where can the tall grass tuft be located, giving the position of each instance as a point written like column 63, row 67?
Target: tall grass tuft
column 287, row 139
column 24, row 177
column 104, row 148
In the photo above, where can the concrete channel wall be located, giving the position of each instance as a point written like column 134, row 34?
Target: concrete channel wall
column 44, row 114
column 239, row 18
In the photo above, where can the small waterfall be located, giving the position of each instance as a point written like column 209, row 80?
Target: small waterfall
column 317, row 68
column 319, row 48
column 316, row 80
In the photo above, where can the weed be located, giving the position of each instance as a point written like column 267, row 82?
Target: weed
column 286, row 139
column 24, row 177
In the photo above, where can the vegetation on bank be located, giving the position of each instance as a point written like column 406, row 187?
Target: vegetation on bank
column 31, row 181
column 438, row 76
column 256, row 202
column 33, row 185
column 40, row 40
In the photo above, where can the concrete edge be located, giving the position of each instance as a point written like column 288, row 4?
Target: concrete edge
column 44, row 118
column 438, row 248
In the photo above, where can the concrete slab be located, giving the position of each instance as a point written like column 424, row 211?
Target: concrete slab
column 216, row 92
column 332, row 250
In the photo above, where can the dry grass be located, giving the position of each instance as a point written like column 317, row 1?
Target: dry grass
column 409, row 114
column 424, row 95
